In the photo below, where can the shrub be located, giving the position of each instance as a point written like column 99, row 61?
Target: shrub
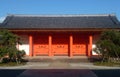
column 8, row 42
column 109, row 45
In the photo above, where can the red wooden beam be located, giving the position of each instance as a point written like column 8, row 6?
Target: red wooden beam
column 50, row 45
column 31, row 45
column 90, row 46
column 71, row 44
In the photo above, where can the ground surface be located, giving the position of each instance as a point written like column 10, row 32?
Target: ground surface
column 59, row 68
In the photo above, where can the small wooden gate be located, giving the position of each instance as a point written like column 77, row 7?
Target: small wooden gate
column 41, row 45
column 80, row 45
column 60, row 45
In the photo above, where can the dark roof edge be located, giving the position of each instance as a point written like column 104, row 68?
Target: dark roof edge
column 69, row 29
column 60, row 15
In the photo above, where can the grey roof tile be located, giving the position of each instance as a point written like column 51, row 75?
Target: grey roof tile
column 60, row 21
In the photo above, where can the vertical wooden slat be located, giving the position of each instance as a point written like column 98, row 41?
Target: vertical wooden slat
column 50, row 45
column 30, row 45
column 71, row 44
column 90, row 46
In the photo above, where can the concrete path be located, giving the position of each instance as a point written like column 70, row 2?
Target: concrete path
column 57, row 73
column 59, row 69
column 58, row 65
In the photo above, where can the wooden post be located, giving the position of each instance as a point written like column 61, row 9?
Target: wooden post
column 90, row 46
column 71, row 43
column 30, row 45
column 50, row 45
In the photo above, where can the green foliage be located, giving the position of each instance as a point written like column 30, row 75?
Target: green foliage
column 8, row 38
column 111, row 64
column 8, row 42
column 3, row 51
column 109, row 45
column 4, row 64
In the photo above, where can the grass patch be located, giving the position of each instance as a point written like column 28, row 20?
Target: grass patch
column 8, row 62
column 12, row 64
column 107, row 64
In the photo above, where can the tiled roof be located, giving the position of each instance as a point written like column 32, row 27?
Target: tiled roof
column 60, row 21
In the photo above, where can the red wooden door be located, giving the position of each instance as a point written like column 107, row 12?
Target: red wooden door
column 60, row 45
column 80, row 45
column 41, row 45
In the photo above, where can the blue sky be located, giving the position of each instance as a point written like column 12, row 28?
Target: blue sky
column 59, row 7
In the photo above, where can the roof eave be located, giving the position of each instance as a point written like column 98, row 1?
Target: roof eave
column 65, row 29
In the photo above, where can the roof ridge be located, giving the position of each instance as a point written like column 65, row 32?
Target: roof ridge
column 60, row 15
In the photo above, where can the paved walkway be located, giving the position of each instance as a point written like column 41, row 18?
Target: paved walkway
column 58, row 65
column 59, row 69
column 57, row 73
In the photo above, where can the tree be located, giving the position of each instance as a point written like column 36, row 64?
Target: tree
column 109, row 45
column 8, row 42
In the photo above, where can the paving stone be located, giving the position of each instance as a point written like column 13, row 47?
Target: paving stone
column 57, row 73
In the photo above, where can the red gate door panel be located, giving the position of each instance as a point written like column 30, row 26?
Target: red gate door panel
column 41, row 46
column 79, row 49
column 60, row 49
column 60, row 44
column 41, row 49
column 80, row 45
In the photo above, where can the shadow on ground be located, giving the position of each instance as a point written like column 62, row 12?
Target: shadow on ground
column 59, row 73
column 10, row 72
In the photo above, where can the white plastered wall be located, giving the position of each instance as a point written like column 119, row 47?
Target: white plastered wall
column 25, row 43
column 96, row 37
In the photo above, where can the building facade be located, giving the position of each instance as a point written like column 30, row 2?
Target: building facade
column 59, row 35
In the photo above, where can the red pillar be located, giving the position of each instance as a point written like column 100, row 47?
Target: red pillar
column 90, row 46
column 30, row 45
column 50, row 45
column 71, row 43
